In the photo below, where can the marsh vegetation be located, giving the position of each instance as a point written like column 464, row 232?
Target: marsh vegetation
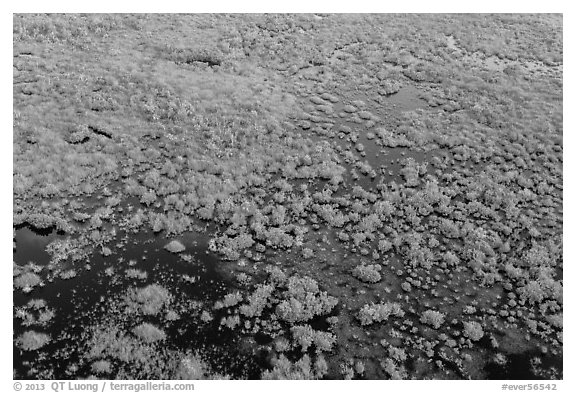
column 288, row 196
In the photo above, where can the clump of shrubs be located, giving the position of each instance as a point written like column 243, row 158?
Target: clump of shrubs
column 307, row 253
column 206, row 317
column 432, row 318
column 302, row 300
column 101, row 367
column 175, row 247
column 371, row 313
column 367, row 273
column 394, row 370
column 62, row 249
column 230, row 300
column 35, row 312
column 231, row 247
column 282, row 302
column 193, row 367
column 536, row 291
column 294, row 299
column 305, row 336
column 149, row 333
column 303, row 369
column 31, row 340
column 148, row 300
column 27, row 281
column 136, row 274
column 473, row 330
column 257, row 301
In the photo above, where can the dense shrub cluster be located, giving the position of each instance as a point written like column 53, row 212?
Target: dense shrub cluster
column 149, row 300
column 35, row 313
column 175, row 247
column 149, row 333
column 27, row 281
column 432, row 318
column 305, row 336
column 303, row 369
column 473, row 330
column 293, row 299
column 31, row 340
column 371, row 313
column 367, row 273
